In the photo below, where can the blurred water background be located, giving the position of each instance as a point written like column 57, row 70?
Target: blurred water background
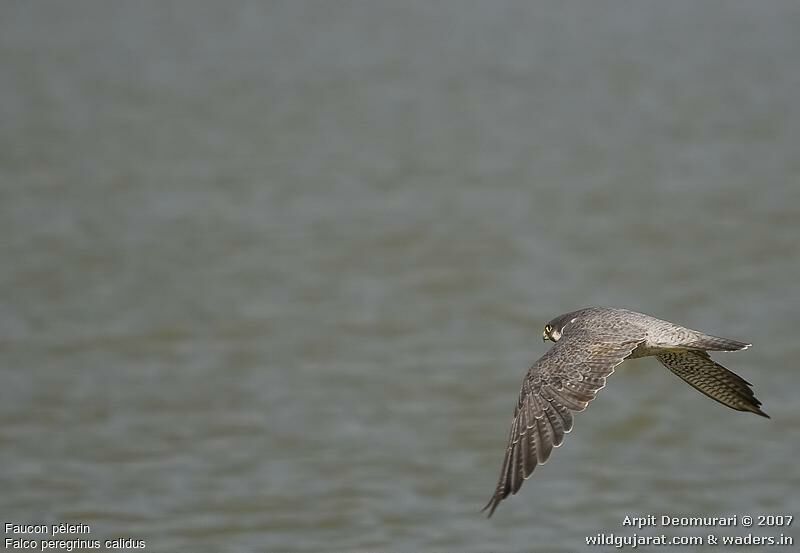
column 272, row 272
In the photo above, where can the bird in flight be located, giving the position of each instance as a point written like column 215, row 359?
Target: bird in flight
column 589, row 344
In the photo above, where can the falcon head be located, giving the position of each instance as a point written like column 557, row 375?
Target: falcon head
column 551, row 333
column 555, row 328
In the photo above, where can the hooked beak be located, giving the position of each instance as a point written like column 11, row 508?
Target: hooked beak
column 544, row 337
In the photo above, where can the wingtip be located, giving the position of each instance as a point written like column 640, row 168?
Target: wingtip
column 755, row 408
column 492, row 505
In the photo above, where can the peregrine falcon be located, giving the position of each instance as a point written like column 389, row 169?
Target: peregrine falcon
column 589, row 344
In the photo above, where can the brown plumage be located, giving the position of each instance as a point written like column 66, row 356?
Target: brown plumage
column 589, row 344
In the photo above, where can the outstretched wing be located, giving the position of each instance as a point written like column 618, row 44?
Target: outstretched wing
column 564, row 380
column 712, row 379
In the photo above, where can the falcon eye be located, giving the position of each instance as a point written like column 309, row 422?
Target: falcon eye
column 548, row 329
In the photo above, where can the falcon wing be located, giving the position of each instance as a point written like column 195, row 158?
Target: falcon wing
column 564, row 380
column 712, row 379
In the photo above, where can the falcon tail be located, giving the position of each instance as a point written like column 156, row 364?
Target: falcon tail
column 715, row 343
